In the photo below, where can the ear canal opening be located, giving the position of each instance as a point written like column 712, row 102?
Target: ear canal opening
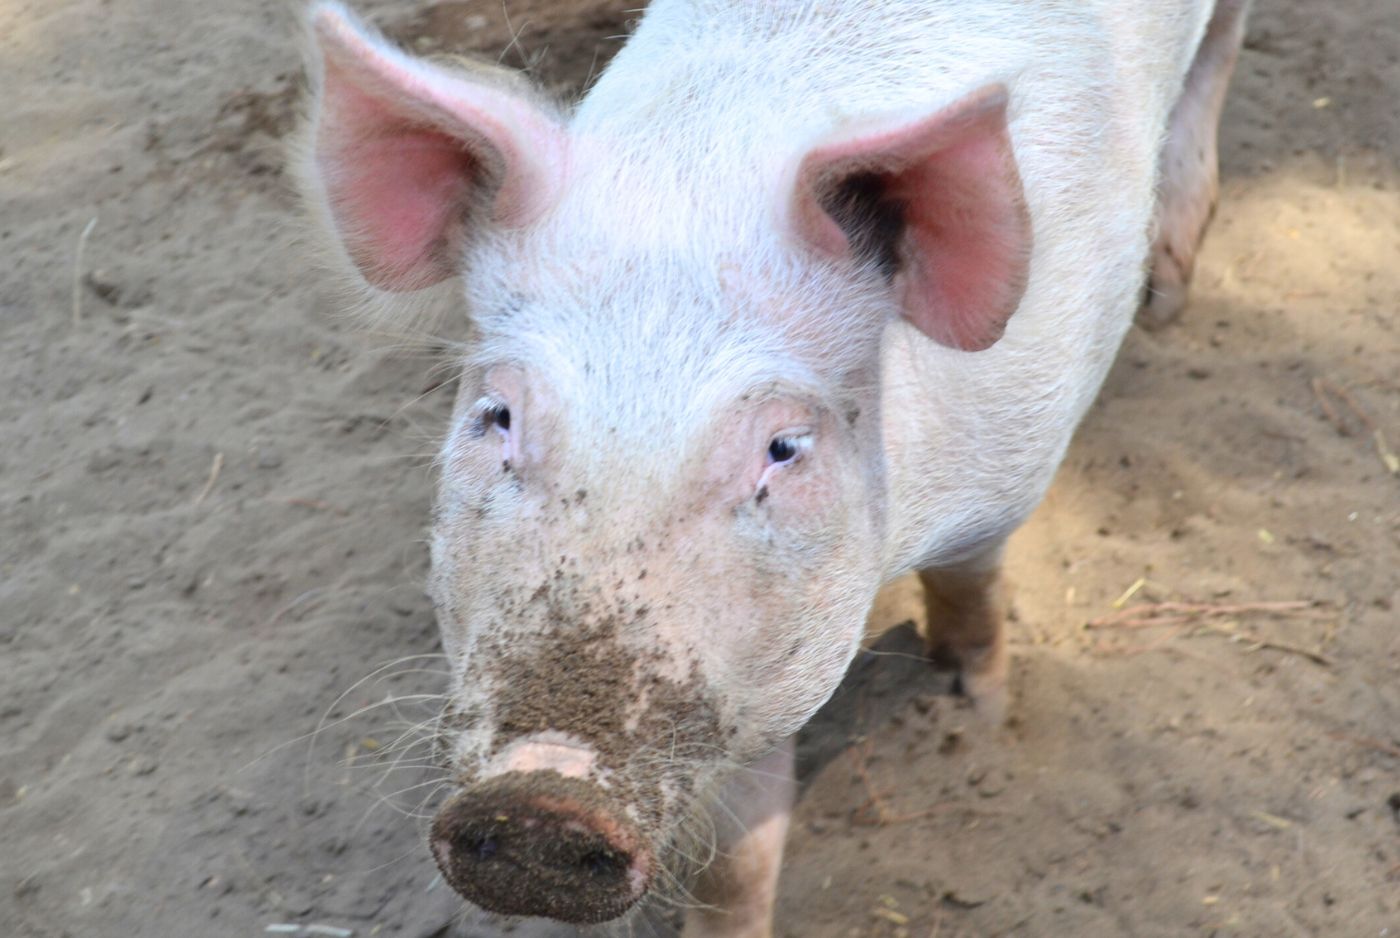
column 936, row 203
column 872, row 220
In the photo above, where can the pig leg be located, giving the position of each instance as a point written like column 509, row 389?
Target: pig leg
column 966, row 607
column 751, row 822
column 1189, row 166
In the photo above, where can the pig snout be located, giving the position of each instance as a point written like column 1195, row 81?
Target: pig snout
column 541, row 844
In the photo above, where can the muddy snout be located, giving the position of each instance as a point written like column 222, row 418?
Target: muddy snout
column 540, row 844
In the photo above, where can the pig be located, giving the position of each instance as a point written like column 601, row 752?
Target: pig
column 801, row 297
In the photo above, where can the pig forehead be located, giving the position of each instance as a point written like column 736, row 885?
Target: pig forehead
column 624, row 312
column 634, row 245
column 611, row 266
column 654, row 376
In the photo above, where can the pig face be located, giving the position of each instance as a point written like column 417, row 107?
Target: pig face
column 652, row 556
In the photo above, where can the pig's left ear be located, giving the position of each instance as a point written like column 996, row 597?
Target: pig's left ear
column 403, row 155
column 937, row 201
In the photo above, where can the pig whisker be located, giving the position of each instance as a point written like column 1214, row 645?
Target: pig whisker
column 418, row 699
column 380, row 674
column 592, row 69
column 425, row 436
column 394, row 758
column 405, row 723
column 413, row 736
column 414, row 851
column 697, row 829
column 391, row 799
column 401, row 759
column 514, row 43
column 388, row 701
column 430, row 797
column 415, row 767
column 450, row 369
column 670, row 893
column 434, row 785
column 416, row 813
column 679, row 847
column 423, row 458
column 674, row 894
column 411, row 341
column 377, row 673
column 323, row 725
column 392, row 765
column 399, row 753
column 387, row 800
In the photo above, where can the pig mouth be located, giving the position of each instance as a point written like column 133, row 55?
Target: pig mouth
column 539, row 844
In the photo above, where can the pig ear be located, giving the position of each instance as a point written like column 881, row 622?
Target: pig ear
column 403, row 153
column 938, row 201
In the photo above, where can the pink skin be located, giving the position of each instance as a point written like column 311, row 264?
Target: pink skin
column 402, row 146
column 546, row 752
column 968, row 237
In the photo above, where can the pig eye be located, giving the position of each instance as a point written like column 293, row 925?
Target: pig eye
column 494, row 414
column 784, row 449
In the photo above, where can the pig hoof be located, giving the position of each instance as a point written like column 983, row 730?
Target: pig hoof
column 1172, row 263
column 1163, row 298
column 988, row 694
column 980, row 677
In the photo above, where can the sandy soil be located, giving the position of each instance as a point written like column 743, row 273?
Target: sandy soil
column 213, row 493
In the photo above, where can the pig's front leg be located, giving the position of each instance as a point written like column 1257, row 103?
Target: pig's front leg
column 751, row 822
column 966, row 610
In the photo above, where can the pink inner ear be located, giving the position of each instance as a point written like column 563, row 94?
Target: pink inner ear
column 402, row 149
column 394, row 188
column 967, row 238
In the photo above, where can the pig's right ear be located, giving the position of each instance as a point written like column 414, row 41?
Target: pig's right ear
column 403, row 154
column 935, row 201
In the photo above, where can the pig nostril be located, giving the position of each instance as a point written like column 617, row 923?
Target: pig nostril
column 483, row 848
column 603, row 863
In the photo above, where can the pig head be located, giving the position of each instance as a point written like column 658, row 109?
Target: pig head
column 662, row 505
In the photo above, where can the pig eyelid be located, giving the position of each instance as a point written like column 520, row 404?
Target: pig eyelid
column 788, row 446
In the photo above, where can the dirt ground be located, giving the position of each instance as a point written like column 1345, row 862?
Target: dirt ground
column 213, row 493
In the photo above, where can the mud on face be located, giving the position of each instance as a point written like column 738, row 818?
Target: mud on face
column 605, row 683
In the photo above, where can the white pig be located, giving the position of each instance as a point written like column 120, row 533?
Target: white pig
column 802, row 296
